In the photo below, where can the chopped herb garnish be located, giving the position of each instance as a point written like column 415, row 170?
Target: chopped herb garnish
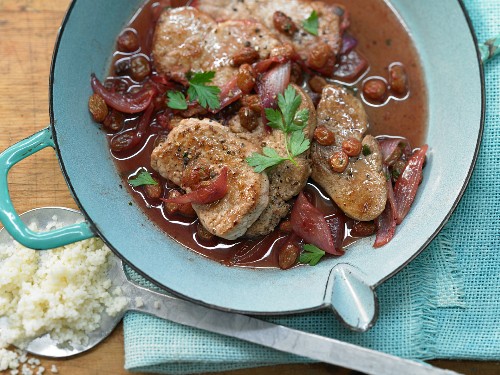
column 198, row 90
column 366, row 150
column 176, row 100
column 395, row 174
column 311, row 24
column 207, row 96
column 290, row 121
column 143, row 178
column 312, row 255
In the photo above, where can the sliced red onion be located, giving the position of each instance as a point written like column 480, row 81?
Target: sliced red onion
column 348, row 44
column 386, row 222
column 272, row 83
column 126, row 103
column 216, row 190
column 393, row 148
column 309, row 223
column 407, row 184
column 264, row 65
column 131, row 138
column 229, row 94
column 350, row 67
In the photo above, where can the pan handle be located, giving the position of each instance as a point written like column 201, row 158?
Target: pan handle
column 8, row 215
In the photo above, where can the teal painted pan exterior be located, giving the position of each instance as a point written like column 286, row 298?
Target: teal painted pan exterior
column 453, row 76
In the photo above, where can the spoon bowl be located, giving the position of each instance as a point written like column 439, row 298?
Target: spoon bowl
column 45, row 345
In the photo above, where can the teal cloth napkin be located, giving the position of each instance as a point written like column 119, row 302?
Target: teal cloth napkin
column 445, row 304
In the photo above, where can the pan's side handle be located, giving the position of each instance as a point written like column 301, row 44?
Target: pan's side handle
column 8, row 216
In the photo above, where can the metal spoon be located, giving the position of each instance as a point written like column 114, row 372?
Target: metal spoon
column 230, row 324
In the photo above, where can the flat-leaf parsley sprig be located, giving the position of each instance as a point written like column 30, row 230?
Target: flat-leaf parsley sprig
column 290, row 121
column 198, row 90
column 312, row 255
column 143, row 178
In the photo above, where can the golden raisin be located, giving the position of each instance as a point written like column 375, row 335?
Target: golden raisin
column 319, row 55
column 339, row 161
column 203, row 233
column 246, row 78
column 375, row 89
column 98, row 108
column 195, row 174
column 247, row 55
column 351, row 146
column 317, row 84
column 248, row 118
column 398, row 80
column 286, row 226
column 153, row 191
column 283, row 23
column 253, row 102
column 185, row 209
column 128, row 41
column 296, row 75
column 288, row 256
column 284, row 51
column 140, row 68
column 324, row 136
column 172, row 208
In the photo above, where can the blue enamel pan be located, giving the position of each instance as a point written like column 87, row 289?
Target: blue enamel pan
column 453, row 76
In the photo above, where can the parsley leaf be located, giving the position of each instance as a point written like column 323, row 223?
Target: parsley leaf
column 366, row 150
column 275, row 119
column 312, row 255
column 290, row 121
column 207, row 96
column 298, row 143
column 176, row 100
column 261, row 162
column 289, row 103
column 143, row 178
column 311, row 24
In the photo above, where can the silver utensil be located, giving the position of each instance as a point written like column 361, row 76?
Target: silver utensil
column 244, row 327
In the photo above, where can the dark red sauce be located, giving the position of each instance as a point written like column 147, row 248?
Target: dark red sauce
column 382, row 40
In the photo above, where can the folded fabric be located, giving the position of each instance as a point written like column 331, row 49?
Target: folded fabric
column 443, row 305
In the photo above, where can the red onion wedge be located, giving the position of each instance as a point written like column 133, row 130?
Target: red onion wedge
column 386, row 222
column 272, row 83
column 229, row 94
column 350, row 67
column 393, row 148
column 406, row 186
column 309, row 223
column 132, row 137
column 210, row 193
column 126, row 103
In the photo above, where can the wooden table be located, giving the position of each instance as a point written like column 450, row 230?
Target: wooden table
column 28, row 29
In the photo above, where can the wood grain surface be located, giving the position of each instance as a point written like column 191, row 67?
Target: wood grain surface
column 28, row 30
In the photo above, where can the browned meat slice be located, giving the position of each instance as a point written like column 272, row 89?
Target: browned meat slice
column 360, row 191
column 205, row 142
column 223, row 10
column 286, row 179
column 342, row 113
column 189, row 40
column 317, row 51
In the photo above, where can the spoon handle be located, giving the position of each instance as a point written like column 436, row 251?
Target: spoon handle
column 271, row 335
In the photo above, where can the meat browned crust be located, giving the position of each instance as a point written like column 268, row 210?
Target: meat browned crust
column 286, row 180
column 186, row 39
column 332, row 20
column 205, row 141
column 361, row 190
